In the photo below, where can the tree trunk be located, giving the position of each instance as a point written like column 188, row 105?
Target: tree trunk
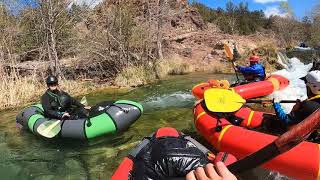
column 51, row 28
column 159, row 30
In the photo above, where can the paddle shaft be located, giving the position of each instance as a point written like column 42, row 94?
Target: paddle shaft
column 268, row 100
column 282, row 144
column 231, row 59
column 235, row 71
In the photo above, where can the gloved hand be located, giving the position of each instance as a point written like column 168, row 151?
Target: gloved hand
column 296, row 106
column 276, row 99
column 65, row 115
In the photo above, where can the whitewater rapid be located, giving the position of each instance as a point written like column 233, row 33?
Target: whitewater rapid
column 294, row 70
column 179, row 99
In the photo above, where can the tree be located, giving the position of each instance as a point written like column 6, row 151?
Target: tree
column 306, row 29
column 315, row 27
column 208, row 14
column 231, row 14
column 48, row 32
column 285, row 8
column 235, row 19
column 9, row 30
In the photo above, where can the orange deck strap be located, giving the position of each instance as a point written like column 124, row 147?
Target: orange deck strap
column 318, row 177
column 224, row 130
column 275, row 83
column 250, row 118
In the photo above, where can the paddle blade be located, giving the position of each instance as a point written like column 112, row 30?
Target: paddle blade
column 84, row 101
column 49, row 129
column 228, row 51
column 223, row 100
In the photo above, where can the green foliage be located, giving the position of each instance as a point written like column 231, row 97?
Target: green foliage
column 208, row 14
column 235, row 19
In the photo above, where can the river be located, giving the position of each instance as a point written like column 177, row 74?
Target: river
column 167, row 103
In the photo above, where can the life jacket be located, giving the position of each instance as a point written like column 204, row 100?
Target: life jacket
column 165, row 154
column 259, row 75
column 60, row 102
column 315, row 98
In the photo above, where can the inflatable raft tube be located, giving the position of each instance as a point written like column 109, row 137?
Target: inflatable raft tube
column 251, row 90
column 111, row 119
column 144, row 149
column 301, row 162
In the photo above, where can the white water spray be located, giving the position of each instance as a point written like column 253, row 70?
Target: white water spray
column 176, row 99
column 295, row 70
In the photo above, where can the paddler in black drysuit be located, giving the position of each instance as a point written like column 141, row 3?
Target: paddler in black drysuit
column 302, row 109
column 58, row 104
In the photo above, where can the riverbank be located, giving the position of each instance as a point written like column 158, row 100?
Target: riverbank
column 21, row 90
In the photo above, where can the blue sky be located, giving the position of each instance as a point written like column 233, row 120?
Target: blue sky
column 300, row 7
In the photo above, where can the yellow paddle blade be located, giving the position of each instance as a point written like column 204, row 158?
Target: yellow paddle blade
column 223, row 100
column 49, row 129
column 84, row 101
column 228, row 51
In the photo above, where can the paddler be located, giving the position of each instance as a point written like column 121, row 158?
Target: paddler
column 58, row 104
column 254, row 72
column 302, row 109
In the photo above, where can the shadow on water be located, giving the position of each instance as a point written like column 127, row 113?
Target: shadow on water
column 167, row 103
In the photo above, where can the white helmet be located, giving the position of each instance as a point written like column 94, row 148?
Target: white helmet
column 313, row 81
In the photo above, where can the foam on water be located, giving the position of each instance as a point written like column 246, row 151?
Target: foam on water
column 295, row 70
column 175, row 99
column 302, row 48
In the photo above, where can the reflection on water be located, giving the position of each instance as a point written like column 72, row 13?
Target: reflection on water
column 167, row 103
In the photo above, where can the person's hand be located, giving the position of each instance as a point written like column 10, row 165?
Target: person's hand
column 209, row 173
column 87, row 107
column 65, row 115
column 275, row 100
column 296, row 106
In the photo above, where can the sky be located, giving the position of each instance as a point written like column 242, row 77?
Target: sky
column 300, row 8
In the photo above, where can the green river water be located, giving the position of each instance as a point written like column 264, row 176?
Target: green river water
column 167, row 103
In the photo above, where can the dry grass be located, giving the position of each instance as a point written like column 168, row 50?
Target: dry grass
column 216, row 67
column 173, row 66
column 134, row 76
column 18, row 91
column 137, row 76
